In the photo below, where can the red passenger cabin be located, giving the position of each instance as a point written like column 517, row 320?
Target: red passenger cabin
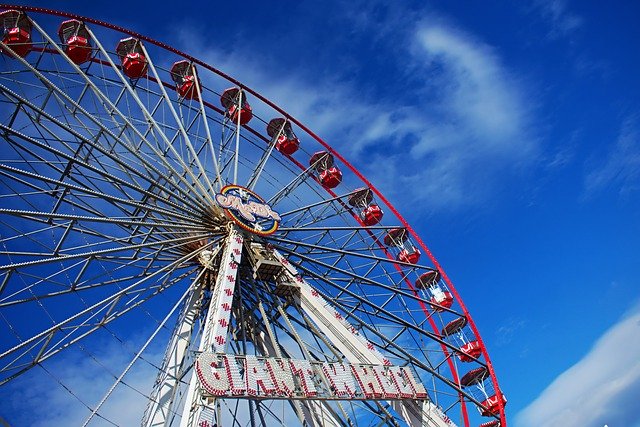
column 183, row 74
column 134, row 64
column 76, row 40
column 328, row 174
column 369, row 212
column 440, row 296
column 490, row 405
column 235, row 103
column 454, row 327
column 469, row 349
column 286, row 141
column 16, row 29
column 474, row 376
column 399, row 238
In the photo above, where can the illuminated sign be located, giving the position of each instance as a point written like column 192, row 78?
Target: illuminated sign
column 248, row 210
column 232, row 376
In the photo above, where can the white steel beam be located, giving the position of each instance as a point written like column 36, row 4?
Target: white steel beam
column 346, row 338
column 168, row 380
column 216, row 327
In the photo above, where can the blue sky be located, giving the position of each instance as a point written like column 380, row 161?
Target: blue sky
column 508, row 134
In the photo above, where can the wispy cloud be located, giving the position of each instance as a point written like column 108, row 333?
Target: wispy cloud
column 443, row 128
column 602, row 388
column 75, row 380
column 561, row 21
column 477, row 89
column 508, row 331
column 620, row 170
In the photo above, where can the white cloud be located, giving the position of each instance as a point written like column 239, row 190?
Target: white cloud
column 561, row 21
column 480, row 92
column 602, row 388
column 621, row 167
column 446, row 142
column 41, row 399
column 509, row 330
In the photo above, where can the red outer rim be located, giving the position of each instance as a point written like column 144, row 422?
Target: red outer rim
column 445, row 277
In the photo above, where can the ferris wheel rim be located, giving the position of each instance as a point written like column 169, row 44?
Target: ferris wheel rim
column 323, row 143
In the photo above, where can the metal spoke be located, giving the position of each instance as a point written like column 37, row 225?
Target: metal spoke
column 135, row 359
column 86, row 165
column 48, row 334
column 109, row 104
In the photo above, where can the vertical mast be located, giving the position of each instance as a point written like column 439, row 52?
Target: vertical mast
column 216, row 326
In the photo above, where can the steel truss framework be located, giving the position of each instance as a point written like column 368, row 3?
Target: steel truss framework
column 109, row 232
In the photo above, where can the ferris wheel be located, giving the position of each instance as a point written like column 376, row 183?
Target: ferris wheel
column 149, row 201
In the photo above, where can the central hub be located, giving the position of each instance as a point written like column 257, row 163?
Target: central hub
column 248, row 210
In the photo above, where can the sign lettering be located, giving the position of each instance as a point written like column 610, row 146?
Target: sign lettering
column 248, row 210
column 226, row 375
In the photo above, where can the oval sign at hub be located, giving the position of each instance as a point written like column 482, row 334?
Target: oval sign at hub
column 248, row 210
